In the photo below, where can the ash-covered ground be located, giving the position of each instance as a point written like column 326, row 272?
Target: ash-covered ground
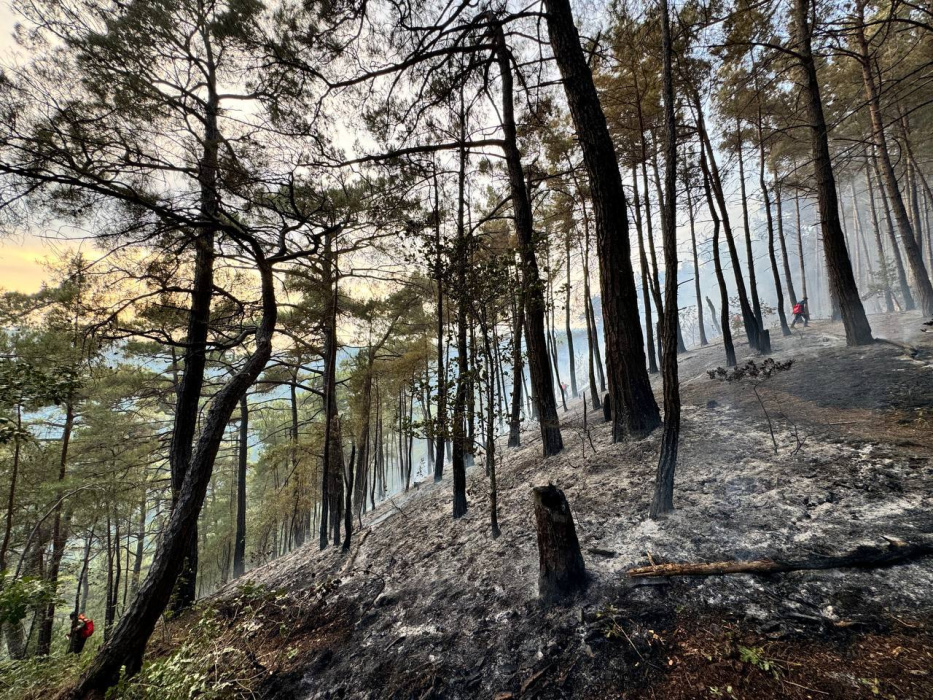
column 431, row 607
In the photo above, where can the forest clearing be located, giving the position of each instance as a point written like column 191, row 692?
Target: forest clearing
column 480, row 349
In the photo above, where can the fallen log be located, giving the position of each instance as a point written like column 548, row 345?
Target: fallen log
column 862, row 557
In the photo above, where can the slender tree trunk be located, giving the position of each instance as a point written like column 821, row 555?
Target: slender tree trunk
column 841, row 279
column 440, row 430
column 696, row 267
column 239, row 538
column 906, row 295
column 634, row 409
column 749, row 319
column 532, row 285
column 59, row 535
column 643, row 264
column 462, row 260
column 749, row 253
column 717, row 263
column 663, row 501
column 800, row 253
column 914, row 256
column 779, row 292
column 515, row 418
column 780, row 228
column 570, row 352
column 879, row 247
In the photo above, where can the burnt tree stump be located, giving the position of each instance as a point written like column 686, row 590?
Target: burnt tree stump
column 561, row 570
column 607, row 408
column 764, row 342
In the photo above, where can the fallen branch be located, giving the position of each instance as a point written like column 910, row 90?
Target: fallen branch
column 862, row 557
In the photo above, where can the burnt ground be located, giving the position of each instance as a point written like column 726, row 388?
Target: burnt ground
column 428, row 607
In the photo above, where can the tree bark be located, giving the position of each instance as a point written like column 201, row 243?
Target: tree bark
column 635, row 411
column 717, row 264
column 696, row 267
column 663, row 501
column 561, row 571
column 239, row 538
column 643, row 264
column 532, row 285
column 841, row 279
column 128, row 642
column 791, row 292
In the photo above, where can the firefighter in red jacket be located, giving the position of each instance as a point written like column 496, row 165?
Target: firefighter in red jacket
column 81, row 630
column 801, row 313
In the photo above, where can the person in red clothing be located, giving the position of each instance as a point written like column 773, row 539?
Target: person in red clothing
column 801, row 313
column 81, row 630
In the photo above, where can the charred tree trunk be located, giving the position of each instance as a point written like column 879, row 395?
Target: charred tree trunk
column 440, row 431
column 749, row 253
column 635, row 411
column 779, row 292
column 841, row 279
column 570, row 353
column 239, row 538
column 59, row 535
column 515, row 418
column 463, row 370
column 643, row 264
column 561, row 571
column 696, row 267
column 348, row 500
column 780, row 228
column 532, row 285
column 663, row 501
column 717, row 263
column 879, row 247
column 749, row 319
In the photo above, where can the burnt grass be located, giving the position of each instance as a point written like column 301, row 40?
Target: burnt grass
column 427, row 607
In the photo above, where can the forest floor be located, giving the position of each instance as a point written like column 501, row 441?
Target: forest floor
column 427, row 607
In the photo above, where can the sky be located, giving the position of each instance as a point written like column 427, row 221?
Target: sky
column 21, row 256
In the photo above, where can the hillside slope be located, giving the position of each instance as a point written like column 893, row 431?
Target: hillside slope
column 425, row 606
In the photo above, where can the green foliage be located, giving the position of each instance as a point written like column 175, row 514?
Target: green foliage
column 216, row 660
column 21, row 596
column 38, row 679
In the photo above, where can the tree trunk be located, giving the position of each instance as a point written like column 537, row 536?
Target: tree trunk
column 440, row 430
column 749, row 253
column 841, row 279
column 643, row 264
column 561, row 571
column 126, row 646
column 239, row 538
column 696, row 268
column 570, row 353
column 783, row 241
column 779, row 292
column 717, row 263
column 463, row 371
column 515, row 418
column 59, row 536
column 914, row 255
column 532, row 285
column 879, row 247
column 906, row 296
column 663, row 501
column 748, row 314
column 800, row 255
column 635, row 411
